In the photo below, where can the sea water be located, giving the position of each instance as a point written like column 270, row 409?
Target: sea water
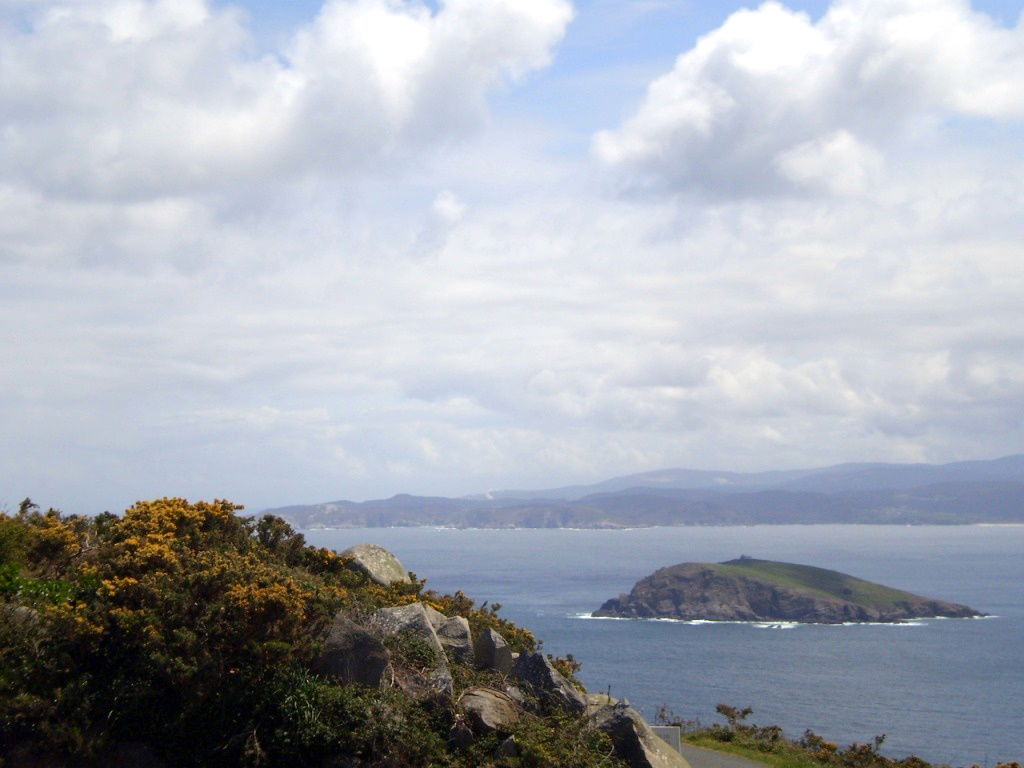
column 948, row 690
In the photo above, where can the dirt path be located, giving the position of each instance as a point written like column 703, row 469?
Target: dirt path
column 698, row 757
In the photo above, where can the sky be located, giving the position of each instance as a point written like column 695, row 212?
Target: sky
column 295, row 252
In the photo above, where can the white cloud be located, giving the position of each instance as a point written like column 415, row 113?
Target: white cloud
column 448, row 207
column 548, row 339
column 303, row 279
column 772, row 102
column 136, row 99
column 837, row 163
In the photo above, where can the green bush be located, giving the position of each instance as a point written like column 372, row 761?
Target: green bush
column 769, row 745
column 193, row 629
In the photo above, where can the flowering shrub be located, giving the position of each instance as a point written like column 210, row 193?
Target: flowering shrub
column 192, row 629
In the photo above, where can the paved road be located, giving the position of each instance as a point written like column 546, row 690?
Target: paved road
column 698, row 757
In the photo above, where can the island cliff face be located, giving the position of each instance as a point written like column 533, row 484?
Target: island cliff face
column 763, row 590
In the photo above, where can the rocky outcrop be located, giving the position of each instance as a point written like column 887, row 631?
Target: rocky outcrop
column 408, row 618
column 757, row 590
column 535, row 672
column 488, row 709
column 633, row 739
column 457, row 640
column 377, row 563
column 414, row 619
column 357, row 654
column 492, row 652
column 434, row 616
column 352, row 655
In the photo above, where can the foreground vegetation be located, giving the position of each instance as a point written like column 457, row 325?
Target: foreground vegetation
column 767, row 744
column 185, row 634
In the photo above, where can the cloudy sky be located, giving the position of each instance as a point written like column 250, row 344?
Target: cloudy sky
column 294, row 252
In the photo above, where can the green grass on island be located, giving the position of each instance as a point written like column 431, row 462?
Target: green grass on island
column 819, row 581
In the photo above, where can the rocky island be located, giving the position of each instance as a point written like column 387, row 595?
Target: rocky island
column 748, row 589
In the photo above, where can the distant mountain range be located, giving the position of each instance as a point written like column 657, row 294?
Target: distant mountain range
column 959, row 493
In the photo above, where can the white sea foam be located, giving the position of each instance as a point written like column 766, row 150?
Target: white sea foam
column 686, row 622
column 908, row 623
column 922, row 622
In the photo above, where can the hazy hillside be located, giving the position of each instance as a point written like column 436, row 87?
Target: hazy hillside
column 839, row 477
column 959, row 493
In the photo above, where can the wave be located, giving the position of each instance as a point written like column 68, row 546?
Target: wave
column 922, row 622
column 687, row 622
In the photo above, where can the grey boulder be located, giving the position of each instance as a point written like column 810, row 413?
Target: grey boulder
column 352, row 655
column 440, row 680
column 456, row 638
column 633, row 739
column 534, row 671
column 377, row 563
column 516, row 695
column 435, row 616
column 488, row 709
column 414, row 619
column 492, row 652
column 408, row 618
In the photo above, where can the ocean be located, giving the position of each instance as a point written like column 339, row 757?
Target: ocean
column 948, row 690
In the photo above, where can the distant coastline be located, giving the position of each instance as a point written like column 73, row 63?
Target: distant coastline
column 680, row 525
column 964, row 493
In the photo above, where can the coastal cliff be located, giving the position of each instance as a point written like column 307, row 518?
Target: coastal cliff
column 763, row 590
